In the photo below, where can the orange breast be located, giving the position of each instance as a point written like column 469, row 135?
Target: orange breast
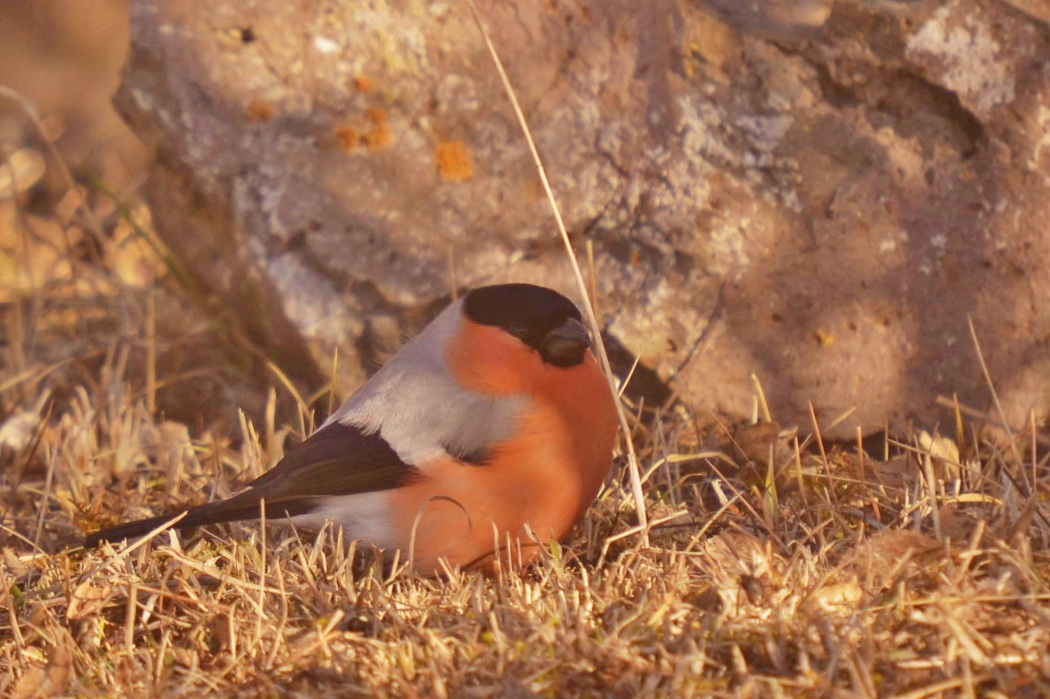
column 544, row 478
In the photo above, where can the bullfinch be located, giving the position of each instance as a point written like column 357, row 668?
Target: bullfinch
column 488, row 434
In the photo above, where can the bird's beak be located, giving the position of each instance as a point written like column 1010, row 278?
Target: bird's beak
column 565, row 344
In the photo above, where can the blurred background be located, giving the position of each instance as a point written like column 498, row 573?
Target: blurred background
column 87, row 293
column 64, row 56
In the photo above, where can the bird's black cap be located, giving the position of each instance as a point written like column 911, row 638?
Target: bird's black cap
column 540, row 317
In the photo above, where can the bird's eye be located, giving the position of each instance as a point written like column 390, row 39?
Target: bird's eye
column 518, row 330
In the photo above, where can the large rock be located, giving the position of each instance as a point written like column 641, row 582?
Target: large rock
column 819, row 196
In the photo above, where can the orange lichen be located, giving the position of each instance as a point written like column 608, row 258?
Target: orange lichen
column 823, row 337
column 453, row 161
column 378, row 137
column 260, row 111
column 362, row 84
column 347, row 137
column 376, row 115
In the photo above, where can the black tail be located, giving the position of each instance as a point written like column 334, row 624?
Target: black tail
column 232, row 510
column 130, row 530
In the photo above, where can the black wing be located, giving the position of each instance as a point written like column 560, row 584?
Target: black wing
column 336, row 460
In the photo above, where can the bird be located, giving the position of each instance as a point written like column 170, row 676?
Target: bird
column 486, row 437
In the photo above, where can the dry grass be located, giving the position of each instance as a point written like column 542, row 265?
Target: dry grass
column 823, row 575
column 835, row 574
column 776, row 565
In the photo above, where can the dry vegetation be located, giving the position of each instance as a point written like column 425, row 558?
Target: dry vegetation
column 776, row 565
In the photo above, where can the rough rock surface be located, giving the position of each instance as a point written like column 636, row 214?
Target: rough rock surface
column 819, row 196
